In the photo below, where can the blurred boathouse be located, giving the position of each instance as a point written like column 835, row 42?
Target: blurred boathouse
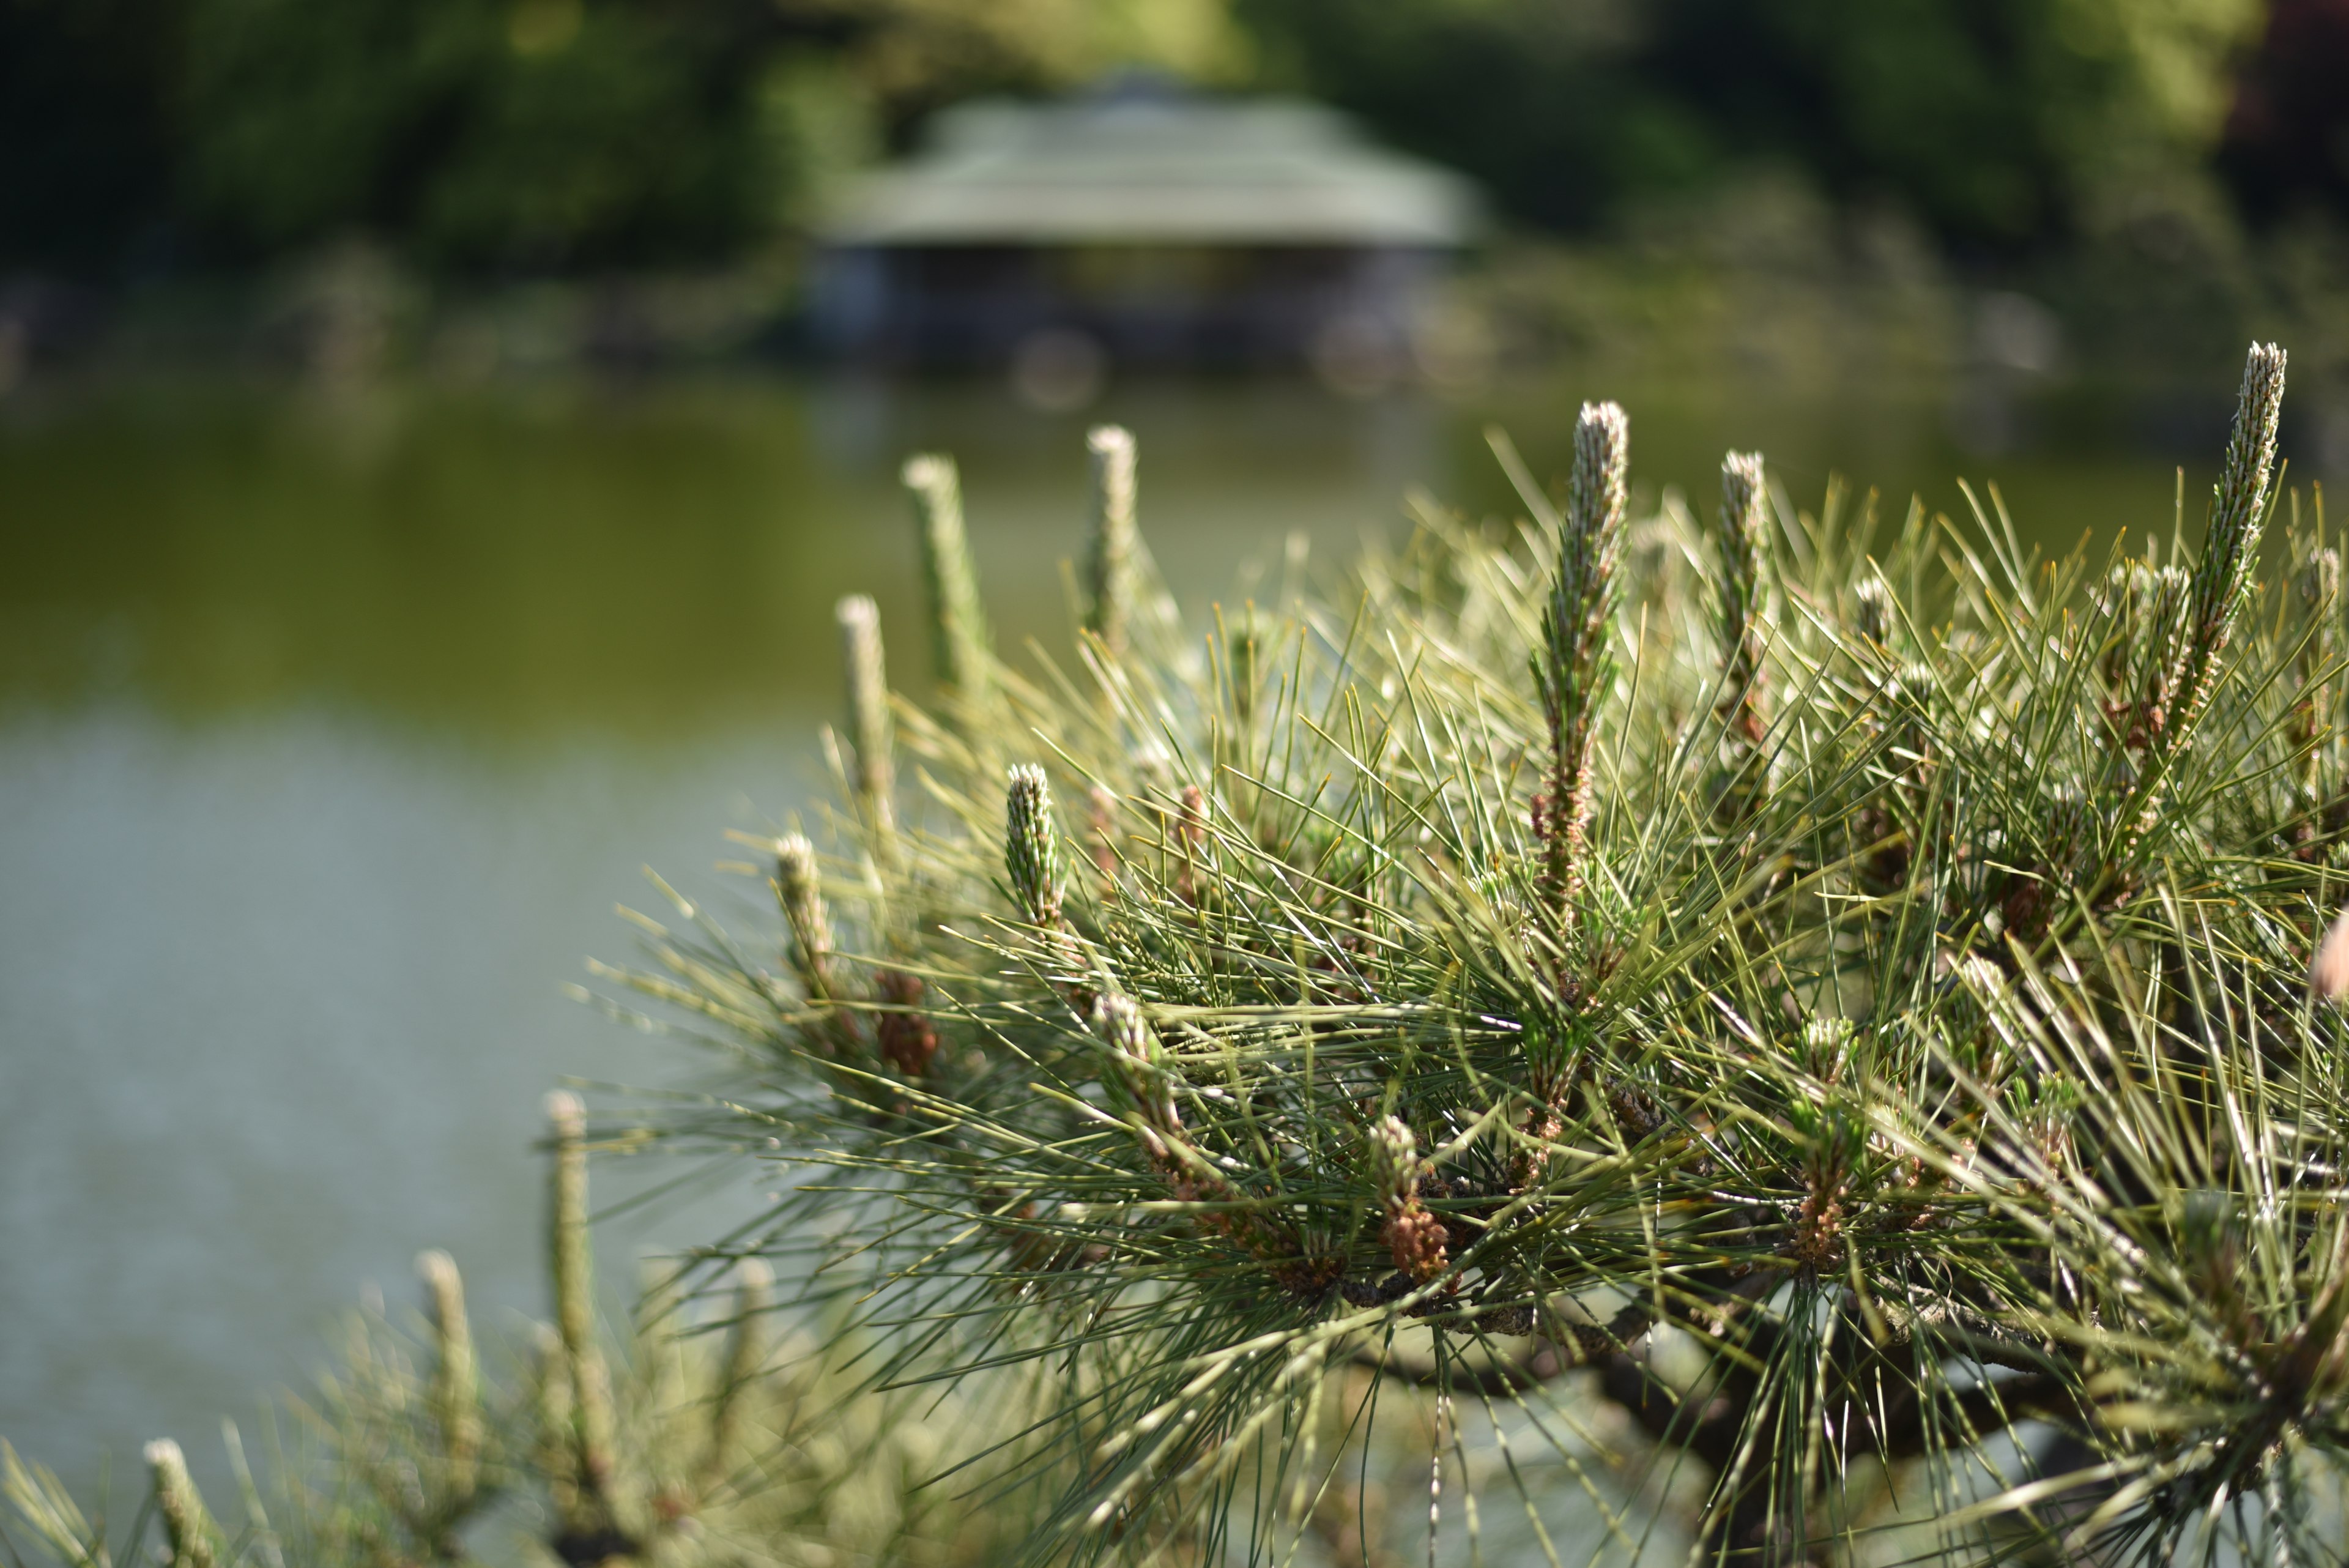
column 1140, row 224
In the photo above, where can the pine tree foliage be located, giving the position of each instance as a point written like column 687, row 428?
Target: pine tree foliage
column 1889, row 1114
column 712, row 1434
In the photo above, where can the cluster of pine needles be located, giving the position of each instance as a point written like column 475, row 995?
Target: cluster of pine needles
column 1765, row 1038
column 705, row 1437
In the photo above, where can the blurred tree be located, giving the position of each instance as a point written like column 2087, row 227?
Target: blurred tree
column 81, row 123
column 2002, row 121
column 503, row 134
column 2287, row 139
column 1554, row 104
column 536, row 133
column 915, row 55
column 1997, row 120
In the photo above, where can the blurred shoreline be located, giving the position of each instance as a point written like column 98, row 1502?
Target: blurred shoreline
column 1765, row 283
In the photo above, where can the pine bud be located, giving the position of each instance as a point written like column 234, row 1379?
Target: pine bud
column 1115, row 564
column 1575, row 664
column 868, row 704
column 958, row 618
column 1742, row 539
column 1416, row 1238
column 1744, row 496
column 801, row 892
column 1118, row 1021
column 1872, row 597
column 2238, row 502
column 572, row 1266
column 2242, row 493
column 1031, row 848
column 1827, row 1048
column 456, row 1374
column 1394, row 1159
column 1118, row 1024
column 187, row 1526
column 1599, row 489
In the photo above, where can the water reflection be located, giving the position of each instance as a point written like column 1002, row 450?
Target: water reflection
column 333, row 730
column 646, row 561
column 532, row 560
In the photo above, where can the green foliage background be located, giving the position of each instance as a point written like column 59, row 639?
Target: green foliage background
column 502, row 134
column 1998, row 122
column 495, row 134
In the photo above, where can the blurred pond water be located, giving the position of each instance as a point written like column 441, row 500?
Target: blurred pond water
column 332, row 727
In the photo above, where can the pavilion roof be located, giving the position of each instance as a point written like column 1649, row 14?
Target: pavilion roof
column 1146, row 164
